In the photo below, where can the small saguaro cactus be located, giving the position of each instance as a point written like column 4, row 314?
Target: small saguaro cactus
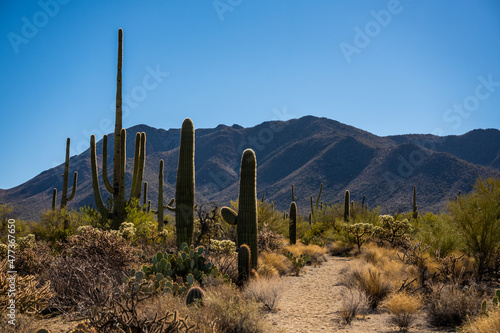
column 161, row 207
column 246, row 218
column 363, row 204
column 415, row 210
column 243, row 264
column 314, row 208
column 184, row 190
column 293, row 223
column 293, row 194
column 145, row 197
column 54, row 197
column 347, row 199
column 195, row 294
column 65, row 199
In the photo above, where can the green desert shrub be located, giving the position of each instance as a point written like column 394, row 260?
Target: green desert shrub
column 477, row 218
column 440, row 233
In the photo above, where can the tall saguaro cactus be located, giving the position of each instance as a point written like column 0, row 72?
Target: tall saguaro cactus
column 65, row 199
column 161, row 207
column 184, row 189
column 117, row 188
column 415, row 210
column 347, row 213
column 293, row 223
column 246, row 218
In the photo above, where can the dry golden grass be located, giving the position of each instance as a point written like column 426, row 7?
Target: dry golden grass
column 267, row 291
column 353, row 303
column 403, row 308
column 279, row 262
column 267, row 270
column 369, row 279
column 377, row 255
column 387, row 261
column 451, row 305
column 484, row 324
column 339, row 248
column 315, row 252
column 225, row 309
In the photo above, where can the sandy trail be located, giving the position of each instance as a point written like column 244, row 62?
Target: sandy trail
column 312, row 300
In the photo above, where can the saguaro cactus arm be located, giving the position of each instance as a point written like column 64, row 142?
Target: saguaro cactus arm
column 229, row 215
column 105, row 165
column 64, row 196
column 101, row 208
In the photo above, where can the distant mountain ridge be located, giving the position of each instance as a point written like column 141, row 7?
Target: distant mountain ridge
column 305, row 152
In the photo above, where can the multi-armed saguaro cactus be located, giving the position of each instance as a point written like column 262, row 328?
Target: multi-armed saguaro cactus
column 184, row 190
column 415, row 210
column 314, row 208
column 65, row 199
column 161, row 207
column 347, row 213
column 293, row 223
column 119, row 159
column 246, row 219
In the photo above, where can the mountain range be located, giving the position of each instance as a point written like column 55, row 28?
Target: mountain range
column 305, row 152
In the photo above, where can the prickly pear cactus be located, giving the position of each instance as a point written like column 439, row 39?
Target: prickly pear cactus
column 175, row 273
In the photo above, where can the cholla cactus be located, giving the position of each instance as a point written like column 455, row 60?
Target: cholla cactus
column 127, row 230
column 4, row 249
column 223, row 246
column 26, row 241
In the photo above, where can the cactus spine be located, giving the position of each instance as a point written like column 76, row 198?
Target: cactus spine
column 244, row 257
column 293, row 223
column 415, row 210
column 117, row 189
column 246, row 219
column 184, row 191
column 347, row 213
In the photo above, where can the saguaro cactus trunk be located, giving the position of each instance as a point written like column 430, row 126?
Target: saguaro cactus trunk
column 246, row 219
column 184, row 190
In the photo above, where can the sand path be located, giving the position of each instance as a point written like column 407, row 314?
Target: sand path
column 312, row 300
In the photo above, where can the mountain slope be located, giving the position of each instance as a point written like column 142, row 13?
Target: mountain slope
column 305, row 152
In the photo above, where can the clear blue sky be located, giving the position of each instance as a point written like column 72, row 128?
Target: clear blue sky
column 387, row 67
